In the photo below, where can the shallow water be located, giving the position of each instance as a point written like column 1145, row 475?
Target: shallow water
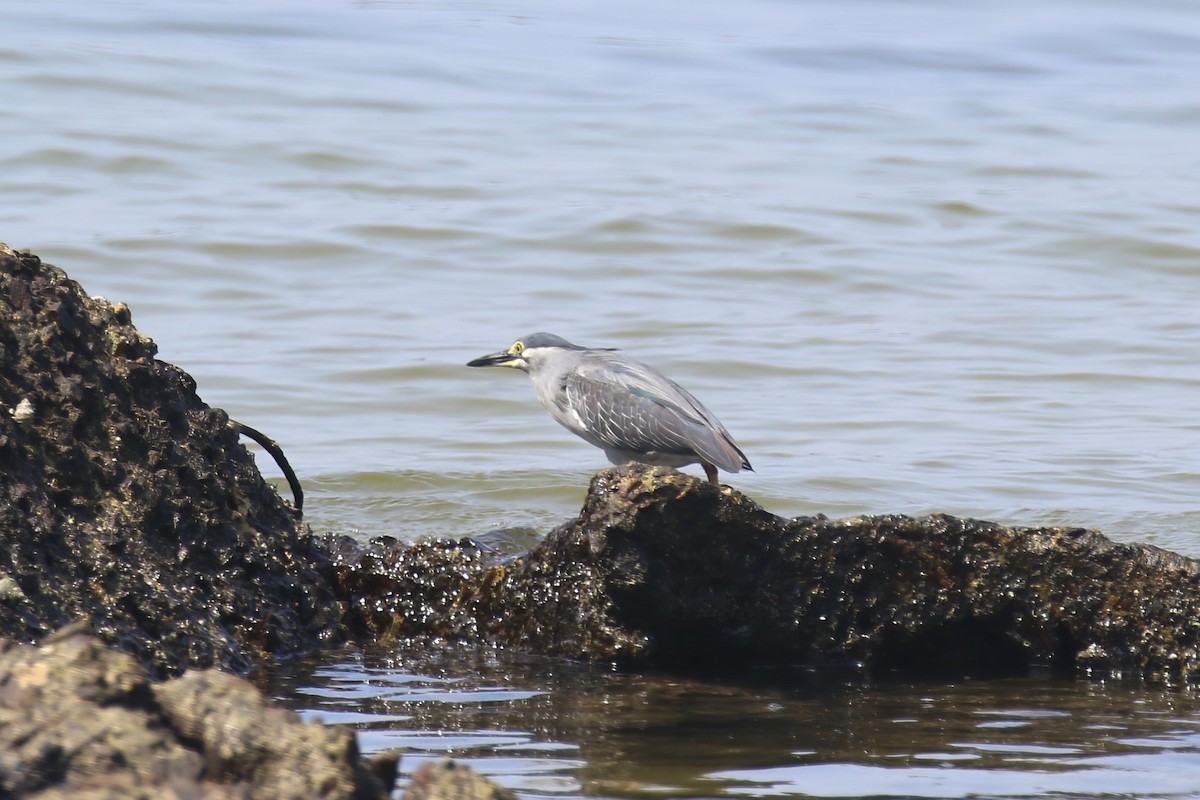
column 552, row 729
column 922, row 256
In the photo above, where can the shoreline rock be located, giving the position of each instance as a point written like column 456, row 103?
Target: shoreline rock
column 662, row 569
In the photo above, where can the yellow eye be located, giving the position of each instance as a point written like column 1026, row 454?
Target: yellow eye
column 517, row 348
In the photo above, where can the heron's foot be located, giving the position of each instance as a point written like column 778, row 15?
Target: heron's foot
column 711, row 472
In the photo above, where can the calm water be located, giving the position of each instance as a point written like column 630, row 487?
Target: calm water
column 919, row 256
column 555, row 730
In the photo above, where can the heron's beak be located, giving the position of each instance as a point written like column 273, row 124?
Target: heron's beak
column 501, row 359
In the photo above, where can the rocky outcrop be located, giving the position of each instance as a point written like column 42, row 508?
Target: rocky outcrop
column 127, row 502
column 662, row 568
column 79, row 719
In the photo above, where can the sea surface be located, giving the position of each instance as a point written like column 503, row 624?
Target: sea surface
column 918, row 257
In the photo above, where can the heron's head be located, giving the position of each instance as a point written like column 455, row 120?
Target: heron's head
column 527, row 353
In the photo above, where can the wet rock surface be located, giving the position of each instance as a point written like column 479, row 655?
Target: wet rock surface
column 662, row 568
column 127, row 502
column 80, row 719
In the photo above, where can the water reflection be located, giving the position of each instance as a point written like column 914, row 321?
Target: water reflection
column 552, row 728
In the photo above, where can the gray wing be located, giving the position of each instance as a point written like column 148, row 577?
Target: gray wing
column 628, row 406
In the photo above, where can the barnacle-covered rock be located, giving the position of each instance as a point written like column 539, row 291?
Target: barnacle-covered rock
column 662, row 568
column 127, row 502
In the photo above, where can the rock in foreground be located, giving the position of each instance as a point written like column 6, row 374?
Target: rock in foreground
column 662, row 568
column 80, row 719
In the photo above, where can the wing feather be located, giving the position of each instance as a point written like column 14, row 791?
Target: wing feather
column 628, row 406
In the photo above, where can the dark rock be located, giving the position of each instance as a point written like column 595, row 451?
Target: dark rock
column 127, row 502
column 663, row 568
column 79, row 719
